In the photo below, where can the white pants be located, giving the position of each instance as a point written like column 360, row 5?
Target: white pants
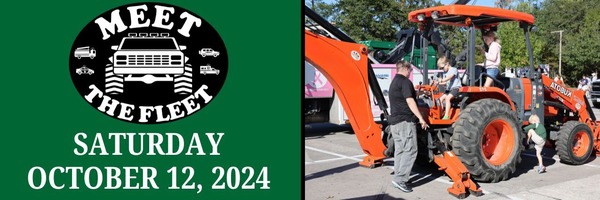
column 539, row 141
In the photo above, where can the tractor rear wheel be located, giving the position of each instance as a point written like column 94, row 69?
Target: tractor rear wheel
column 487, row 139
column 574, row 144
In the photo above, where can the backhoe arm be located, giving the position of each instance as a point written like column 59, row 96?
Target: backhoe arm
column 345, row 65
column 573, row 100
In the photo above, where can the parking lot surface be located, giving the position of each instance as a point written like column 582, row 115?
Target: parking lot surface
column 332, row 154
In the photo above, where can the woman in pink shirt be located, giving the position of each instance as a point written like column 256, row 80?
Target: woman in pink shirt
column 492, row 56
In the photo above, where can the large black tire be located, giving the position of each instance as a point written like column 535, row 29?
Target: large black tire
column 596, row 104
column 182, row 84
column 113, row 83
column 575, row 143
column 422, row 153
column 388, row 141
column 487, row 139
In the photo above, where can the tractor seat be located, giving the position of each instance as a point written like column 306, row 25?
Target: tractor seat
column 457, row 99
column 480, row 76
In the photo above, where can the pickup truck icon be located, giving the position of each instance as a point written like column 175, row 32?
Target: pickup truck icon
column 207, row 69
column 88, row 52
column 148, row 58
column 208, row 52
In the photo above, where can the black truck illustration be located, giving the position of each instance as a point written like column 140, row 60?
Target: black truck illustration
column 148, row 58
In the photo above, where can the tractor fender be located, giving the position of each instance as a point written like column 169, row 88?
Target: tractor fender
column 476, row 93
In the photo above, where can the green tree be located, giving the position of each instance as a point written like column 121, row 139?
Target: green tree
column 581, row 55
column 373, row 20
column 579, row 21
column 321, row 8
column 514, row 49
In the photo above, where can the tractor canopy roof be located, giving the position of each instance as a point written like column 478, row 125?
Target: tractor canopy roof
column 464, row 15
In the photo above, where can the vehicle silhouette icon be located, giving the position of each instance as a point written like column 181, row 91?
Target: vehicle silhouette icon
column 208, row 52
column 207, row 69
column 88, row 52
column 84, row 70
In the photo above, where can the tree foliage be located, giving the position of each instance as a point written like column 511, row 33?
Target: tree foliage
column 372, row 20
column 579, row 21
column 320, row 7
column 514, row 50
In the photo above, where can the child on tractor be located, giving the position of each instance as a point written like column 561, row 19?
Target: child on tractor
column 537, row 133
column 452, row 84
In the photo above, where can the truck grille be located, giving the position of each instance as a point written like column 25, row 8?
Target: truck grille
column 596, row 86
column 148, row 60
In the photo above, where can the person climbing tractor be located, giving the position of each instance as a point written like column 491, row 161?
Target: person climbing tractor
column 536, row 133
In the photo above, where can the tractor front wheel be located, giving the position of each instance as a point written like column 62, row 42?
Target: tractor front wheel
column 575, row 143
column 487, row 139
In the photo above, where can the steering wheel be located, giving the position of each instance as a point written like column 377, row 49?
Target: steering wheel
column 433, row 87
column 427, row 89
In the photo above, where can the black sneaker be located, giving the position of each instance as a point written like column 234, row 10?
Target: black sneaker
column 402, row 187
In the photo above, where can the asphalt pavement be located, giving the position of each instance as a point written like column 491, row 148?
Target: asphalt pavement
column 331, row 171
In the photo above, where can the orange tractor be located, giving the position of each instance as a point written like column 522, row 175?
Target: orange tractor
column 483, row 139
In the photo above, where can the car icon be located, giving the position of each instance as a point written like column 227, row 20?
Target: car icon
column 84, row 70
column 208, row 52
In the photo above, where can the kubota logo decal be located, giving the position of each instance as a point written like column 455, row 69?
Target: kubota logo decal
column 561, row 89
column 148, row 63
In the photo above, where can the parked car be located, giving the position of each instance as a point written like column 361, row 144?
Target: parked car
column 595, row 93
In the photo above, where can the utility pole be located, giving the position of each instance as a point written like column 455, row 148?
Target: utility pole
column 559, row 52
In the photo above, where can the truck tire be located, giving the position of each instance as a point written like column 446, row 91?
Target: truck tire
column 422, row 151
column 596, row 104
column 574, row 144
column 487, row 139
column 388, row 141
column 183, row 83
column 113, row 83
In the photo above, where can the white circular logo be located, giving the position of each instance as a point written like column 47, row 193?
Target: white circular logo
column 355, row 55
column 148, row 63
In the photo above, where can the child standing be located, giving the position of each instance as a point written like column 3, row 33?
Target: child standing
column 537, row 133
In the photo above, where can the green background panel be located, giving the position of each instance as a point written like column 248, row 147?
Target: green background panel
column 257, row 108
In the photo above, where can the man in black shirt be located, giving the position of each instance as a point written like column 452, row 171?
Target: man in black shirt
column 403, row 118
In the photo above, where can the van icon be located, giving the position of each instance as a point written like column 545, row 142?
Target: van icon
column 88, row 52
column 208, row 52
column 207, row 69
